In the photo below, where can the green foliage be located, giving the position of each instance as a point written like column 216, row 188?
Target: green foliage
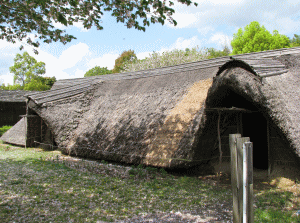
column 28, row 75
column 213, row 53
column 295, row 41
column 25, row 68
column 126, row 57
column 174, row 57
column 255, row 38
column 11, row 87
column 4, row 129
column 20, row 18
column 97, row 71
column 40, row 84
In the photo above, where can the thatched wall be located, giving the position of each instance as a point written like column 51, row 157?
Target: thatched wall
column 134, row 120
column 16, row 135
column 277, row 98
column 12, row 105
column 10, row 112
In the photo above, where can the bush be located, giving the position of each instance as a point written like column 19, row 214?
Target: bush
column 174, row 57
column 3, row 129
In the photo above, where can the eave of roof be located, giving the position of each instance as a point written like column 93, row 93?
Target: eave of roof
column 14, row 96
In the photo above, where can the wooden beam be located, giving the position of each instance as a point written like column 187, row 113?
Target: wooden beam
column 233, row 109
column 220, row 147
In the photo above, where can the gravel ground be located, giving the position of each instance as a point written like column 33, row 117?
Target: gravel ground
column 216, row 213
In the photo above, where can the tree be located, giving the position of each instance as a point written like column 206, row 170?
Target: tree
column 170, row 58
column 11, row 87
column 126, row 57
column 26, row 68
column 20, row 18
column 255, row 38
column 97, row 71
column 36, row 84
column 213, row 53
column 40, row 84
column 28, row 74
column 295, row 41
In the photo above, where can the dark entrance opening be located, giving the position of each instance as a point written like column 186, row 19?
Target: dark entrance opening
column 255, row 127
column 248, row 124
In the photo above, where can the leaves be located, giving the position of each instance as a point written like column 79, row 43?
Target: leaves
column 126, row 57
column 255, row 38
column 295, row 41
column 97, row 71
column 174, row 57
column 28, row 74
column 19, row 18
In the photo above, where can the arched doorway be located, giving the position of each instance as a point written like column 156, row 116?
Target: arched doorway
column 247, row 119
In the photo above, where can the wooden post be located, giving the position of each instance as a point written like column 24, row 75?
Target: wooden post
column 234, row 169
column 270, row 160
column 41, row 140
column 240, row 142
column 241, row 178
column 248, row 182
column 220, row 147
column 25, row 126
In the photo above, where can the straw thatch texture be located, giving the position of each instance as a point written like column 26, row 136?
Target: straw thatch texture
column 276, row 97
column 119, row 119
column 16, row 135
column 158, row 117
column 12, row 105
column 13, row 96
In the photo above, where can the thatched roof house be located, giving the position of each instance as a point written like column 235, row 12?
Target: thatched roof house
column 168, row 117
column 12, row 107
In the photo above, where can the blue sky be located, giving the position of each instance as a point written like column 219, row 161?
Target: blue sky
column 211, row 24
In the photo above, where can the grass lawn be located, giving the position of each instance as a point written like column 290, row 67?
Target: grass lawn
column 45, row 186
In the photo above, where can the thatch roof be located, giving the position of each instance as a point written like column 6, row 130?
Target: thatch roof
column 14, row 96
column 150, row 116
column 16, row 135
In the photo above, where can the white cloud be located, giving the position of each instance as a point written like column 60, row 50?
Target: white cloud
column 80, row 26
column 58, row 25
column 78, row 73
column 211, row 15
column 283, row 25
column 107, row 60
column 182, row 43
column 183, row 20
column 205, row 30
column 143, row 55
column 220, row 39
column 7, row 79
column 73, row 55
column 222, row 2
column 67, row 60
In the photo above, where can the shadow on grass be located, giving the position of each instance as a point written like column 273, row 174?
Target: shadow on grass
column 36, row 190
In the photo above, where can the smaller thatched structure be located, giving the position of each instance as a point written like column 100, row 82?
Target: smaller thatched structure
column 12, row 105
column 12, row 108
